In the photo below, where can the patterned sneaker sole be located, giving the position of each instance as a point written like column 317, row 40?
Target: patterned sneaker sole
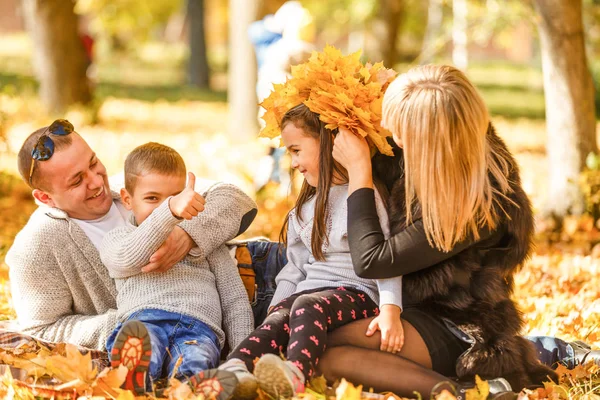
column 132, row 348
column 247, row 387
column 214, row 384
column 272, row 378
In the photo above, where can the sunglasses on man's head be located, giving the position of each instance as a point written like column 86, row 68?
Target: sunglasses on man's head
column 44, row 148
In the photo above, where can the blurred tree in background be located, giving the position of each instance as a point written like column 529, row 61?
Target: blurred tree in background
column 241, row 88
column 59, row 58
column 198, row 72
column 569, row 95
column 211, row 38
column 387, row 26
column 125, row 24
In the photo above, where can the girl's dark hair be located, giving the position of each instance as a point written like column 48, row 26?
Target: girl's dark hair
column 312, row 126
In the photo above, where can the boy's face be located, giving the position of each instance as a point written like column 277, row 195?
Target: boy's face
column 151, row 189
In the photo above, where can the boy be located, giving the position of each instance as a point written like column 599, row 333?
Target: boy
column 185, row 312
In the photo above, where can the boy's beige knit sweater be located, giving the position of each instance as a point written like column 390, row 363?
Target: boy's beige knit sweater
column 207, row 288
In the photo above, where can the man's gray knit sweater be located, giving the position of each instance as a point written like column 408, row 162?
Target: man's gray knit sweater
column 209, row 288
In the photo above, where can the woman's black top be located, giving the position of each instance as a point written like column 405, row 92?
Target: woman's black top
column 403, row 253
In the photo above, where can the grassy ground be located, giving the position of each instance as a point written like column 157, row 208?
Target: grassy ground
column 510, row 91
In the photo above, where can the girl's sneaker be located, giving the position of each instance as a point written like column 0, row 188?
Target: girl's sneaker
column 278, row 378
column 132, row 348
column 247, row 385
column 214, row 384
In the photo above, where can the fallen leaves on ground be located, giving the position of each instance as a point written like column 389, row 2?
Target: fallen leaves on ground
column 558, row 289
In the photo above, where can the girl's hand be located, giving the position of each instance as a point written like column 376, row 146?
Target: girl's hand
column 352, row 152
column 390, row 325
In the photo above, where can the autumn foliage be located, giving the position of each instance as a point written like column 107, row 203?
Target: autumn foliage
column 343, row 91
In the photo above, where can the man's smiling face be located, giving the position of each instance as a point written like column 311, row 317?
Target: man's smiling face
column 77, row 182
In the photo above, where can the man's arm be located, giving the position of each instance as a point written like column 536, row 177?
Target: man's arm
column 127, row 249
column 228, row 212
column 238, row 321
column 43, row 302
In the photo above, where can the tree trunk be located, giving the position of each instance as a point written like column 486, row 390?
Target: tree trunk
column 198, row 72
column 386, row 29
column 268, row 7
column 243, row 107
column 569, row 97
column 432, row 32
column 460, row 55
column 59, row 57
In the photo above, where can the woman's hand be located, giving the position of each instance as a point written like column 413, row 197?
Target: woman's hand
column 352, row 152
column 390, row 325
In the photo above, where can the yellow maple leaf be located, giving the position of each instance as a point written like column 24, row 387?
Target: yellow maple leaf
column 445, row 395
column 480, row 391
column 343, row 91
column 178, row 390
column 109, row 381
column 126, row 395
column 73, row 366
column 347, row 391
column 318, row 384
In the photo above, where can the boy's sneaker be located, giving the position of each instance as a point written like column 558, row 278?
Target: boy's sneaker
column 278, row 378
column 132, row 348
column 247, row 385
column 214, row 384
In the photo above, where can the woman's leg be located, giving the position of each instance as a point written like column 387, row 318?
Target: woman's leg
column 381, row 371
column 403, row 373
column 353, row 334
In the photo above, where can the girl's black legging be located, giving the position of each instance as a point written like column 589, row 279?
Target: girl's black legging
column 298, row 326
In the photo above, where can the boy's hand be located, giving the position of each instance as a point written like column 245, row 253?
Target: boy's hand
column 390, row 325
column 188, row 203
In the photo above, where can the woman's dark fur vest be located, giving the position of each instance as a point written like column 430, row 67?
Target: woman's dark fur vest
column 473, row 287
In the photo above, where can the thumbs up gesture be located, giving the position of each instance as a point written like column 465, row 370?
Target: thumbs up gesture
column 188, row 203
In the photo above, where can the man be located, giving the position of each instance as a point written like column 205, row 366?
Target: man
column 61, row 290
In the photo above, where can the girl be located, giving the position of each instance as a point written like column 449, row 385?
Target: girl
column 317, row 291
column 461, row 227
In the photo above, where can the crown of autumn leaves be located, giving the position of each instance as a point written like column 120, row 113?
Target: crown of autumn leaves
column 344, row 92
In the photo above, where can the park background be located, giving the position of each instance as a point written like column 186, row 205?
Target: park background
column 183, row 73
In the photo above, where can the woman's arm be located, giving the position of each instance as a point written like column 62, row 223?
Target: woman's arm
column 408, row 251
column 374, row 256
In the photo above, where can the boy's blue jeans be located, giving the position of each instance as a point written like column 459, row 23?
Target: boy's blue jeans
column 173, row 335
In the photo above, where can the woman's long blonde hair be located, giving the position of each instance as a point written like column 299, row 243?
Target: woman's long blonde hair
column 442, row 123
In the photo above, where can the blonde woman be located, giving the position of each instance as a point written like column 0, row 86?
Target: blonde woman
column 461, row 227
